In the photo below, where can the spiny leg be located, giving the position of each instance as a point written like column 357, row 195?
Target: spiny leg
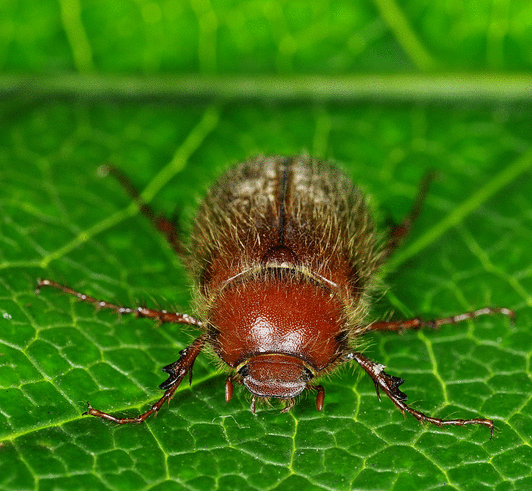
column 400, row 231
column 417, row 323
column 167, row 227
column 390, row 385
column 158, row 315
column 177, row 371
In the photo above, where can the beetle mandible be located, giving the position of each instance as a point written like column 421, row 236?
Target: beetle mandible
column 284, row 256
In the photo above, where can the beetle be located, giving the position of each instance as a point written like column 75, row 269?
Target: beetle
column 285, row 257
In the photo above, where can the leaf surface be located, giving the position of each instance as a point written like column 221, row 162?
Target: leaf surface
column 470, row 247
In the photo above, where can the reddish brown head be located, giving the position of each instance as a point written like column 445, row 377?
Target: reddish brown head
column 275, row 375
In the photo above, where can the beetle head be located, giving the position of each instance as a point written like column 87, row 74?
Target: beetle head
column 275, row 375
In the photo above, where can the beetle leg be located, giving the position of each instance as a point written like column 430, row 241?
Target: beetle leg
column 417, row 323
column 177, row 371
column 158, row 315
column 390, row 385
column 290, row 405
column 167, row 227
column 399, row 232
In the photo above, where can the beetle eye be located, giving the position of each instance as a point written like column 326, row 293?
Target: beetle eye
column 307, row 375
column 244, row 371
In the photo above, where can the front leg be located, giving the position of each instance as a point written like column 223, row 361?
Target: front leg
column 177, row 371
column 390, row 385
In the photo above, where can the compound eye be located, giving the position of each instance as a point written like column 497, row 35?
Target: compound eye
column 307, row 375
column 244, row 371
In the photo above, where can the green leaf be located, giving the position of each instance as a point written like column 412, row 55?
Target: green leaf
column 60, row 220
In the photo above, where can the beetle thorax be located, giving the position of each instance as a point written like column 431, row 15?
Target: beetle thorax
column 278, row 333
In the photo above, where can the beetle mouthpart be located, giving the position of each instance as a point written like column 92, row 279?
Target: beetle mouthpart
column 275, row 375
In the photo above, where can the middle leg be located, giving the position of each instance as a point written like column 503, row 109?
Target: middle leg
column 417, row 323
